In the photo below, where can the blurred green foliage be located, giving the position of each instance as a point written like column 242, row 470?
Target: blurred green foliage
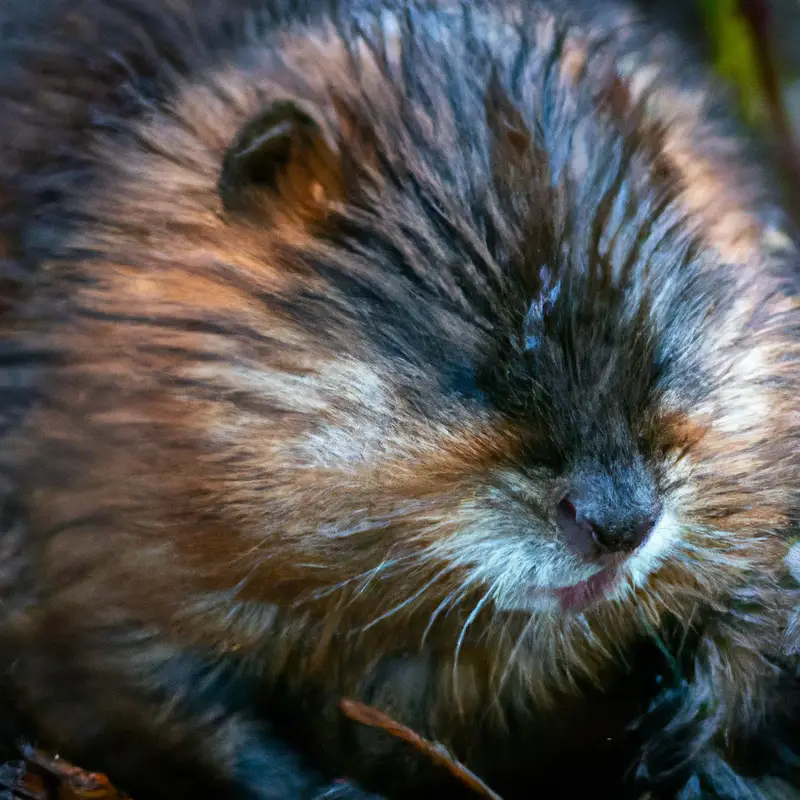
column 734, row 55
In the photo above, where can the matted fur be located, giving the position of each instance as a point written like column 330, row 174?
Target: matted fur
column 259, row 461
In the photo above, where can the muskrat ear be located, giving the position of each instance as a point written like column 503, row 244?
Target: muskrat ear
column 285, row 156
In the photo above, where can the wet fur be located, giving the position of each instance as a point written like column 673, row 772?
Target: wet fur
column 253, row 462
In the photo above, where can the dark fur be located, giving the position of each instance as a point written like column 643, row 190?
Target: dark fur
column 257, row 459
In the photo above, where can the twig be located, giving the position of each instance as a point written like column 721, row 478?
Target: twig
column 367, row 715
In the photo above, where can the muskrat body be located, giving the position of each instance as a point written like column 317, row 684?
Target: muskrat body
column 442, row 356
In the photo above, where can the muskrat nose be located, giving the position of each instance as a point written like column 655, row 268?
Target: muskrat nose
column 593, row 535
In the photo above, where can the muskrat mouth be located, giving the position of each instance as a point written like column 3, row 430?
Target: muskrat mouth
column 586, row 593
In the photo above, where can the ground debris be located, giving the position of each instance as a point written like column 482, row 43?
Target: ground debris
column 40, row 776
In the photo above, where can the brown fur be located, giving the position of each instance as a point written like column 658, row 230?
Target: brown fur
column 219, row 459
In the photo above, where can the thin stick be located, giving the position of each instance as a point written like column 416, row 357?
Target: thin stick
column 367, row 715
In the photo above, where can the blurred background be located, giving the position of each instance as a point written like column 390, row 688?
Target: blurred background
column 753, row 46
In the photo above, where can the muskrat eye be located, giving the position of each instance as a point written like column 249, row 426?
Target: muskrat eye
column 284, row 152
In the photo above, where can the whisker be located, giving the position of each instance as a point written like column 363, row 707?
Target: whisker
column 452, row 599
column 407, row 601
column 370, row 575
column 496, row 701
column 318, row 594
column 688, row 626
column 332, row 531
column 514, row 653
column 470, row 619
column 662, row 647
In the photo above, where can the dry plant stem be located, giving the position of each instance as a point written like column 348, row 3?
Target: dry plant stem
column 757, row 15
column 437, row 753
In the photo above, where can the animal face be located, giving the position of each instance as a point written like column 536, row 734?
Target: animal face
column 466, row 335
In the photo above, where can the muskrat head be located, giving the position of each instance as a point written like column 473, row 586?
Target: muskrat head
column 385, row 346
column 485, row 398
column 502, row 430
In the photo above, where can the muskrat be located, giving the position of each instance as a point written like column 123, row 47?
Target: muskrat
column 438, row 355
